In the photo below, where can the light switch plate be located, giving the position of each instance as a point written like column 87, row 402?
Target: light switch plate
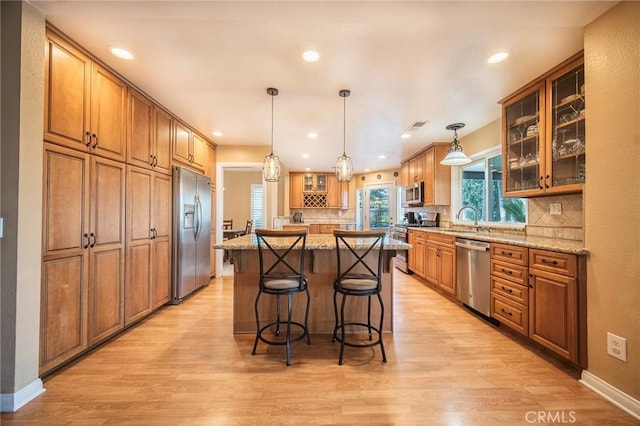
column 555, row 208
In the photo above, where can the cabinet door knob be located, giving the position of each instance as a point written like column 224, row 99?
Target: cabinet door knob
column 546, row 184
column 506, row 312
column 95, row 140
column 86, row 245
column 549, row 262
column 92, row 240
column 540, row 184
column 88, row 135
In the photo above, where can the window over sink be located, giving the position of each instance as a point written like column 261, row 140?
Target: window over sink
column 479, row 185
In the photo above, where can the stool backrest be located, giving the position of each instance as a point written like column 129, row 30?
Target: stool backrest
column 359, row 254
column 281, row 254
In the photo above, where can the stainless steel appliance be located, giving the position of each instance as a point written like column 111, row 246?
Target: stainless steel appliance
column 472, row 271
column 399, row 232
column 414, row 194
column 191, row 231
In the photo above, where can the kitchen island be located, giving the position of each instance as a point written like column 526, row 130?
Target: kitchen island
column 320, row 270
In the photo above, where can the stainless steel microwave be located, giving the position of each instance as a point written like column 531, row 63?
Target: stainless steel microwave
column 414, row 194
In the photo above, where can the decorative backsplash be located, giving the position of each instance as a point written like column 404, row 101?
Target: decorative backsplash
column 568, row 225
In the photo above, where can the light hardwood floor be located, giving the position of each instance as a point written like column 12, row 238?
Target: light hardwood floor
column 445, row 367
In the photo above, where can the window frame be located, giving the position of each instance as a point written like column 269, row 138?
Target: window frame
column 456, row 193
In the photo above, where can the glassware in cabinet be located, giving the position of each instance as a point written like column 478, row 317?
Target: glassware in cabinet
column 523, row 124
column 567, row 126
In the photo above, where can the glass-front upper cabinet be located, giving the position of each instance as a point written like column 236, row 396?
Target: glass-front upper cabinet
column 566, row 93
column 543, row 134
column 523, row 134
column 315, row 182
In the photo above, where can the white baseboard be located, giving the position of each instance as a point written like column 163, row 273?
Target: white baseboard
column 610, row 393
column 10, row 402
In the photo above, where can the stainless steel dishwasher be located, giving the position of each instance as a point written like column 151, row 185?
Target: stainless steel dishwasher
column 472, row 271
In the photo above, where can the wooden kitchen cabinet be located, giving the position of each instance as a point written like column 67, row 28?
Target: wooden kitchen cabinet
column 404, row 174
column 200, row 152
column 510, row 286
column 543, row 134
column 337, row 193
column 440, row 262
column 189, row 148
column 554, row 308
column 418, row 255
column 437, row 177
column 85, row 104
column 82, row 253
column 148, row 134
column 416, row 168
column 295, row 191
column 317, row 190
column 148, row 283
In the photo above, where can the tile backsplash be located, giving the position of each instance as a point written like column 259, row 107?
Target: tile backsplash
column 568, row 225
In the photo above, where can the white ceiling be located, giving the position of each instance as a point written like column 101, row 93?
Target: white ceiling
column 211, row 62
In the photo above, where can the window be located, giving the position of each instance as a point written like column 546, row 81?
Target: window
column 480, row 184
column 257, row 205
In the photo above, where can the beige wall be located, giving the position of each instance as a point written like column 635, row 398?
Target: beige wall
column 241, row 154
column 612, row 195
column 381, row 176
column 484, row 138
column 23, row 35
column 237, row 196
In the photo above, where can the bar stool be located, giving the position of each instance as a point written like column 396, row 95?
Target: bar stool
column 281, row 255
column 359, row 275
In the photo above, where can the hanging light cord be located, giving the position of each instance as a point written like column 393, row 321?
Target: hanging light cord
column 344, row 126
column 271, row 123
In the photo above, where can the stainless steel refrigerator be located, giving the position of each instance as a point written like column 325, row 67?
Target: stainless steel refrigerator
column 192, row 232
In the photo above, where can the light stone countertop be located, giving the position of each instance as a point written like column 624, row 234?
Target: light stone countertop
column 543, row 243
column 314, row 242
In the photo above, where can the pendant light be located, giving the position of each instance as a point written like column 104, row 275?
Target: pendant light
column 344, row 166
column 271, row 166
column 455, row 156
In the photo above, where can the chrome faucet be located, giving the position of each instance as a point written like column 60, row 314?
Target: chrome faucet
column 475, row 216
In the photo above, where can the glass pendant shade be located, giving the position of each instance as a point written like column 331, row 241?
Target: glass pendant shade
column 455, row 156
column 344, row 166
column 271, row 166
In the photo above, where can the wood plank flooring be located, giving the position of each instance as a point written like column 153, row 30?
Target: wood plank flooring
column 183, row 366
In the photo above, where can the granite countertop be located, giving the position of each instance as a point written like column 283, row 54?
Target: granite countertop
column 544, row 243
column 314, row 242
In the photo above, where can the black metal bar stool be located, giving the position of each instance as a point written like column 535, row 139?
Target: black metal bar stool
column 281, row 255
column 360, row 275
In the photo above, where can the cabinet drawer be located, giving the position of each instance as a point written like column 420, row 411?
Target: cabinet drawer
column 558, row 263
column 515, row 292
column 514, row 273
column 509, row 313
column 421, row 236
column 328, row 228
column 442, row 239
column 511, row 254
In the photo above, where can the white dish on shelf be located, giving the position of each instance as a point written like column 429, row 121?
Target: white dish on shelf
column 570, row 98
column 525, row 118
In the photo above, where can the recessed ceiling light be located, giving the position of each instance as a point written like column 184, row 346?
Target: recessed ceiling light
column 305, row 156
column 367, row 170
column 497, row 57
column 311, row 56
column 217, row 134
column 121, row 53
column 312, row 135
column 405, row 136
column 382, row 157
column 307, row 169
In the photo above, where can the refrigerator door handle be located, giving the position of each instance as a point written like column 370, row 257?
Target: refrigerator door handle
column 198, row 216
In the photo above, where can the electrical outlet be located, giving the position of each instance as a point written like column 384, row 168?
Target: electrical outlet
column 617, row 346
column 555, row 208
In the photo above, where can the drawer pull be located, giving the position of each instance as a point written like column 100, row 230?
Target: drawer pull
column 506, row 271
column 549, row 262
column 506, row 253
column 508, row 290
column 506, row 312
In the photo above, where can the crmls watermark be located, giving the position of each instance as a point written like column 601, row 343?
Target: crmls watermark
column 550, row 417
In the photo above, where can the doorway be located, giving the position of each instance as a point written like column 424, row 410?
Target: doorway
column 378, row 206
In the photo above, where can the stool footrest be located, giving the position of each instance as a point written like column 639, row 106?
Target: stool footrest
column 298, row 326
column 337, row 335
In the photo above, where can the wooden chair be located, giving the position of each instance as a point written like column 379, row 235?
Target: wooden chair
column 281, row 255
column 227, row 224
column 247, row 229
column 358, row 275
